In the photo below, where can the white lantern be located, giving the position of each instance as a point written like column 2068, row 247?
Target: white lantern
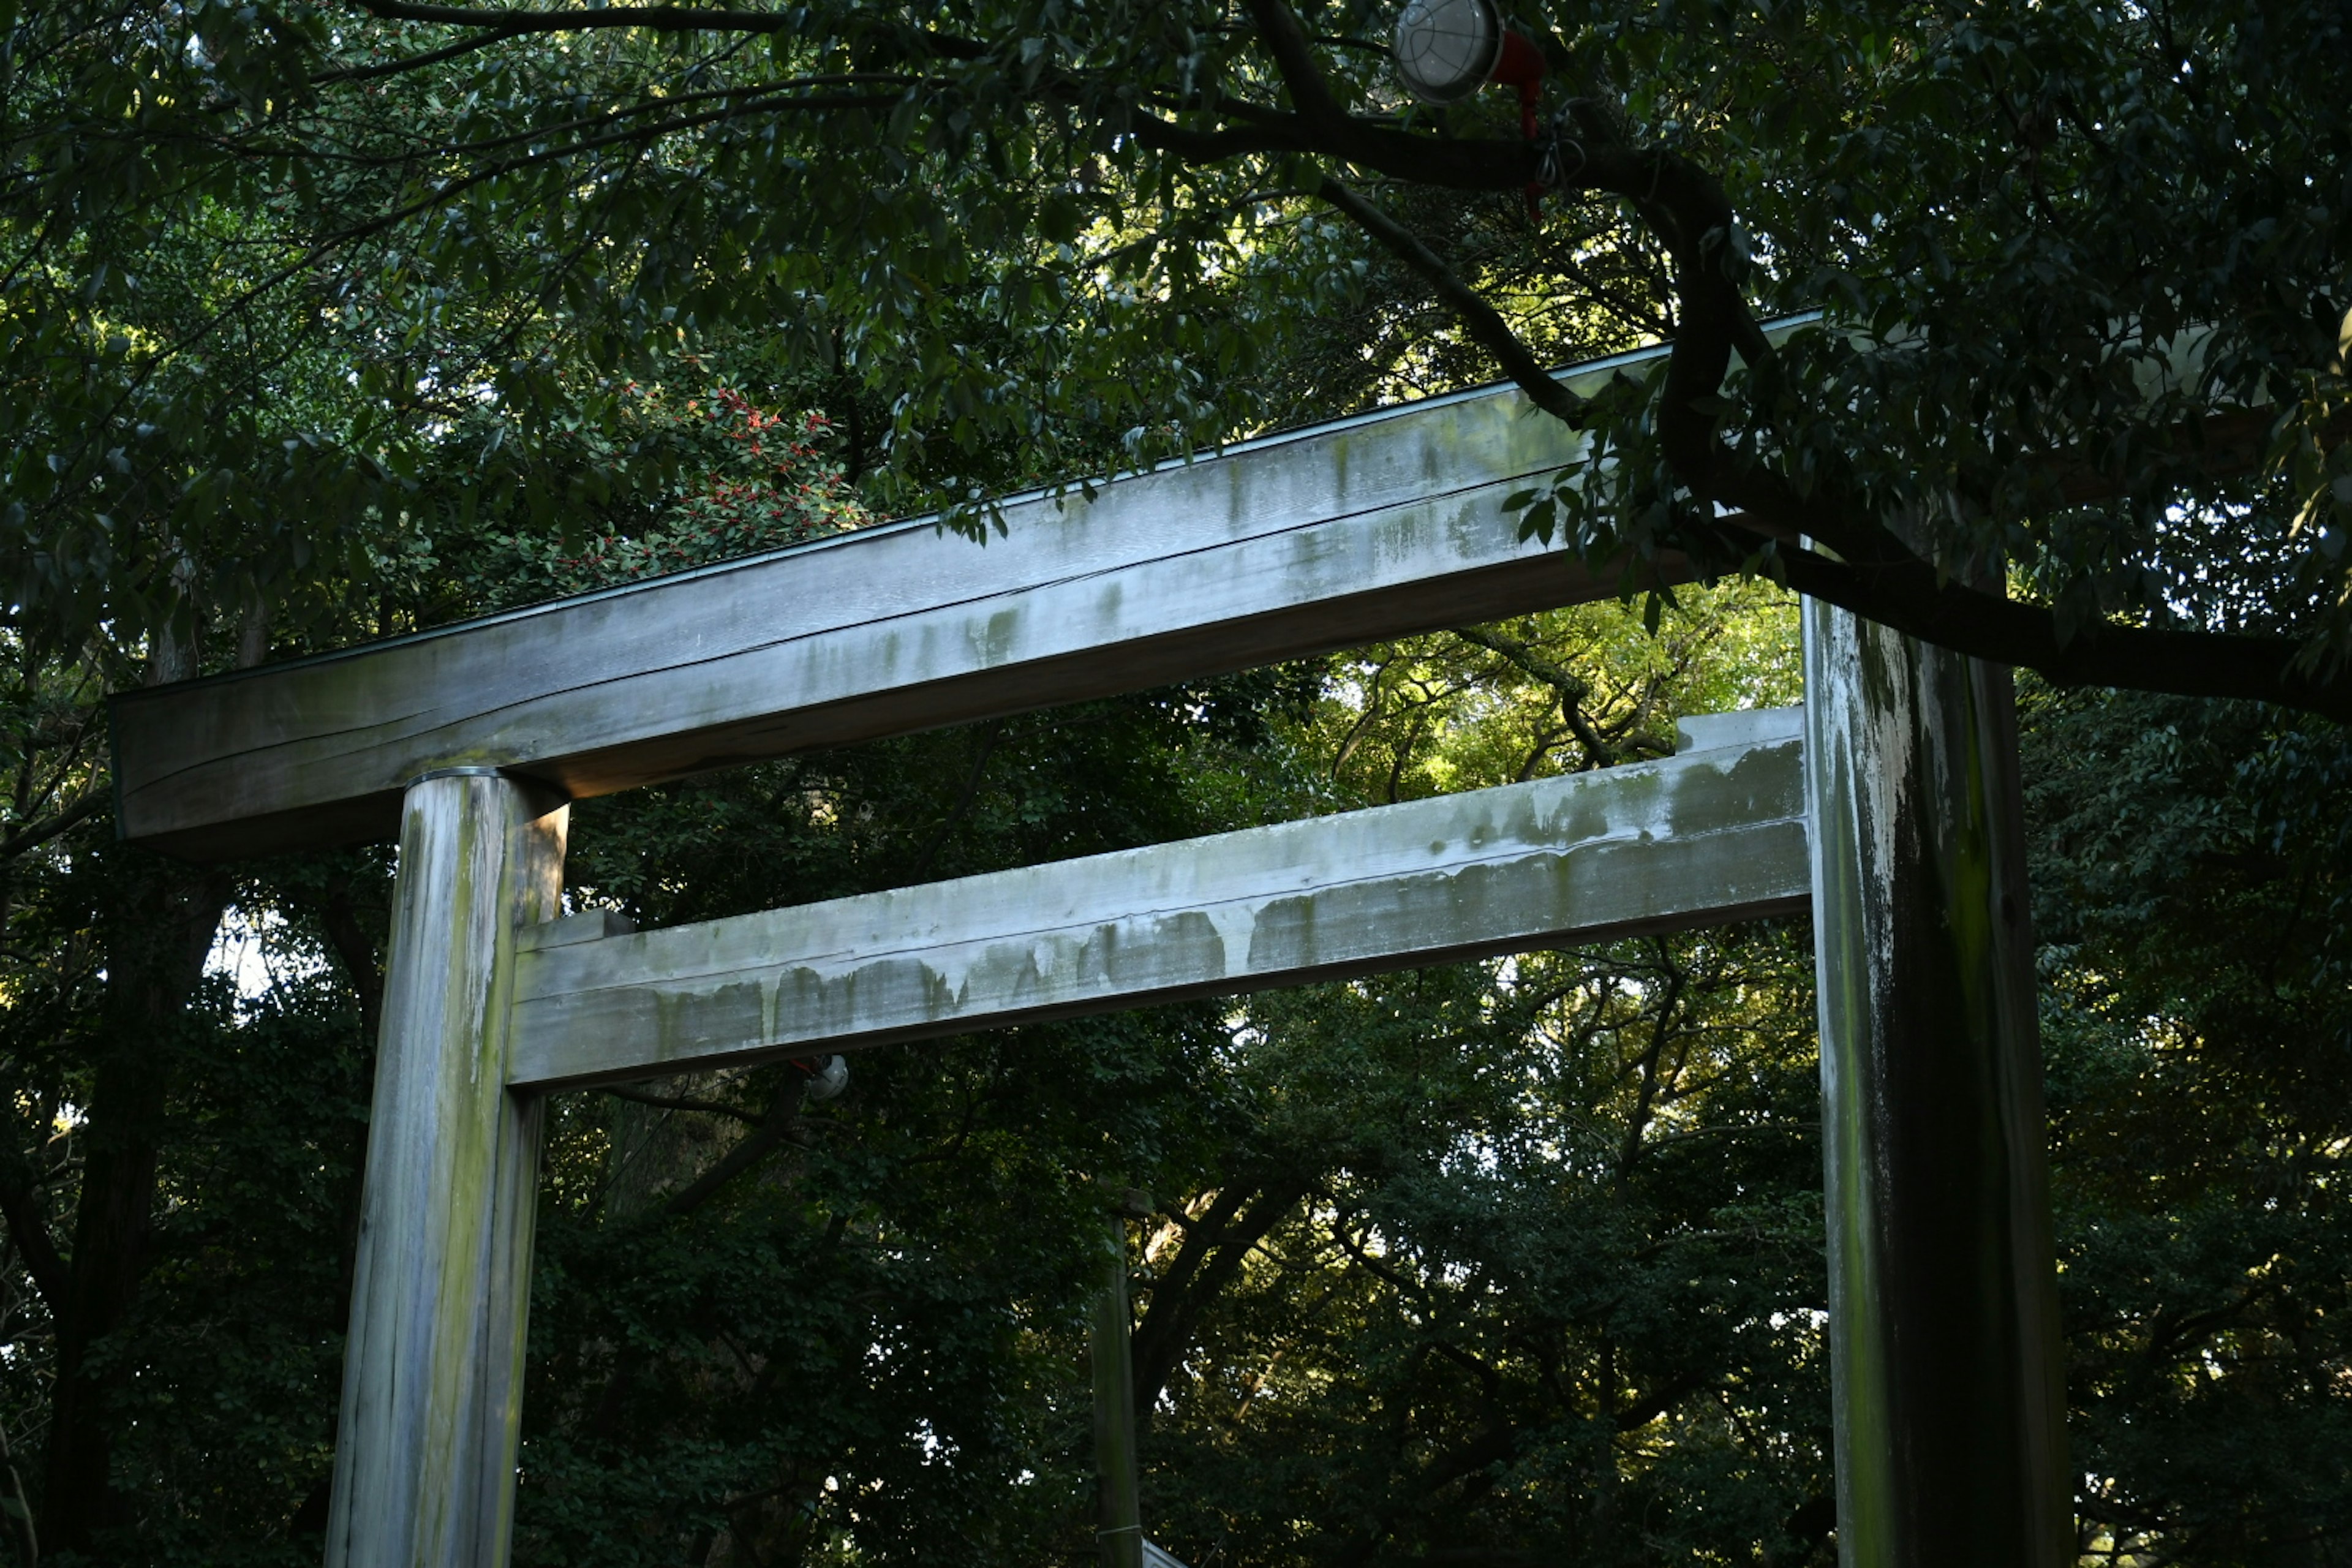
column 1447, row 49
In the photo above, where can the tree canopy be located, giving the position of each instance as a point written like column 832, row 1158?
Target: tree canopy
column 2077, row 401
column 329, row 322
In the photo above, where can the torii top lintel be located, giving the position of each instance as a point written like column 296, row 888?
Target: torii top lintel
column 1337, row 534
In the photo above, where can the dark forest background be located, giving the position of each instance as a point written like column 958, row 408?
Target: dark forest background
column 1514, row 1262
column 322, row 325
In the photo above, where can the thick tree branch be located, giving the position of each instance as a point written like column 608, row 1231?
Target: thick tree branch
column 1910, row 598
column 1685, row 204
column 28, row 1228
column 1639, row 1412
column 1484, row 325
column 1216, row 146
column 1466, row 164
column 1879, row 576
column 35, row 834
column 1491, row 1387
column 1294, row 56
column 1210, row 1259
column 1475, row 164
column 753, row 1148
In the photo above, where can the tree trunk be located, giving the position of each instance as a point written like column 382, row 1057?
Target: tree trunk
column 163, row 922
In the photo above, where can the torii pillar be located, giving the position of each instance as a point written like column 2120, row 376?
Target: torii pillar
column 1949, row 1396
column 432, row 1361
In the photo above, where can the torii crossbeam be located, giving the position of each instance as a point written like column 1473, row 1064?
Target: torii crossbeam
column 1888, row 807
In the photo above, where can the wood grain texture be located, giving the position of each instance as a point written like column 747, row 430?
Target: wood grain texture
column 1695, row 839
column 1949, row 1400
column 433, row 1360
column 1323, row 537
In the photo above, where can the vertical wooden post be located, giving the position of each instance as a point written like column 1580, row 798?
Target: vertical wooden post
column 433, row 1362
column 1120, row 1505
column 1949, row 1396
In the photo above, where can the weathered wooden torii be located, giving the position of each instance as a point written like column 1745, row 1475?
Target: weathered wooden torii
column 1889, row 808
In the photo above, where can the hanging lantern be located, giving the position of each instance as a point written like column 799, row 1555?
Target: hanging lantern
column 1447, row 49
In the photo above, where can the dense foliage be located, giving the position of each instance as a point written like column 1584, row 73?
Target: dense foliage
column 1501, row 1263
column 2084, row 266
column 325, row 322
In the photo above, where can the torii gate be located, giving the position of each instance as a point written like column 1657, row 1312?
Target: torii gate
column 1889, row 807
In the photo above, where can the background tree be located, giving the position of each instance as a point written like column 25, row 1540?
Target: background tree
column 2085, row 271
column 331, row 322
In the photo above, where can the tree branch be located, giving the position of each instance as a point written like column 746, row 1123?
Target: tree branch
column 1483, row 164
column 1197, row 1277
column 1294, row 56
column 749, row 1150
column 1880, row 577
column 415, row 62
column 649, row 18
column 1909, row 597
column 1484, row 325
column 1641, row 1411
column 20, row 1206
column 671, row 1102
column 41, row 832
column 340, row 919
column 1216, row 146
column 1571, row 691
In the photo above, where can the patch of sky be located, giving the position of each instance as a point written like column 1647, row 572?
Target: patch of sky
column 259, row 954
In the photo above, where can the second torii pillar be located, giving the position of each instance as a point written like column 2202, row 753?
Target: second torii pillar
column 1949, row 1396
